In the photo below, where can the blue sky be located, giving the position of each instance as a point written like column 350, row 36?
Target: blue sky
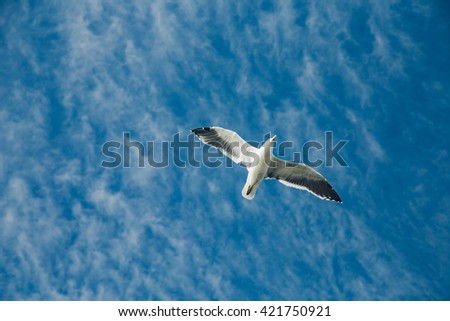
column 74, row 75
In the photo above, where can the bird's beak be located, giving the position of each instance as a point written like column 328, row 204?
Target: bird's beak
column 273, row 138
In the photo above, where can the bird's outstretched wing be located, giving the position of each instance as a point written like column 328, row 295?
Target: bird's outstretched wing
column 229, row 143
column 303, row 177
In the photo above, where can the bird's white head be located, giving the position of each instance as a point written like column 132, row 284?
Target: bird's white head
column 270, row 141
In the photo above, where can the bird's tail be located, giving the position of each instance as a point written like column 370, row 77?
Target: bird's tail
column 249, row 191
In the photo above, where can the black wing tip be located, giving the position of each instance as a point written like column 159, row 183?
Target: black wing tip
column 335, row 197
column 332, row 198
column 331, row 194
column 201, row 130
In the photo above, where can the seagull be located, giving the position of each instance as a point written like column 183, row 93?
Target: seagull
column 262, row 164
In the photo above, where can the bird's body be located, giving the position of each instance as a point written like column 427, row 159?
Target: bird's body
column 257, row 173
column 262, row 164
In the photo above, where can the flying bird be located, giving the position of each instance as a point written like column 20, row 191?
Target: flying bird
column 262, row 164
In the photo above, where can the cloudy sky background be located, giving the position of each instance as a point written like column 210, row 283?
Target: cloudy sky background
column 76, row 74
